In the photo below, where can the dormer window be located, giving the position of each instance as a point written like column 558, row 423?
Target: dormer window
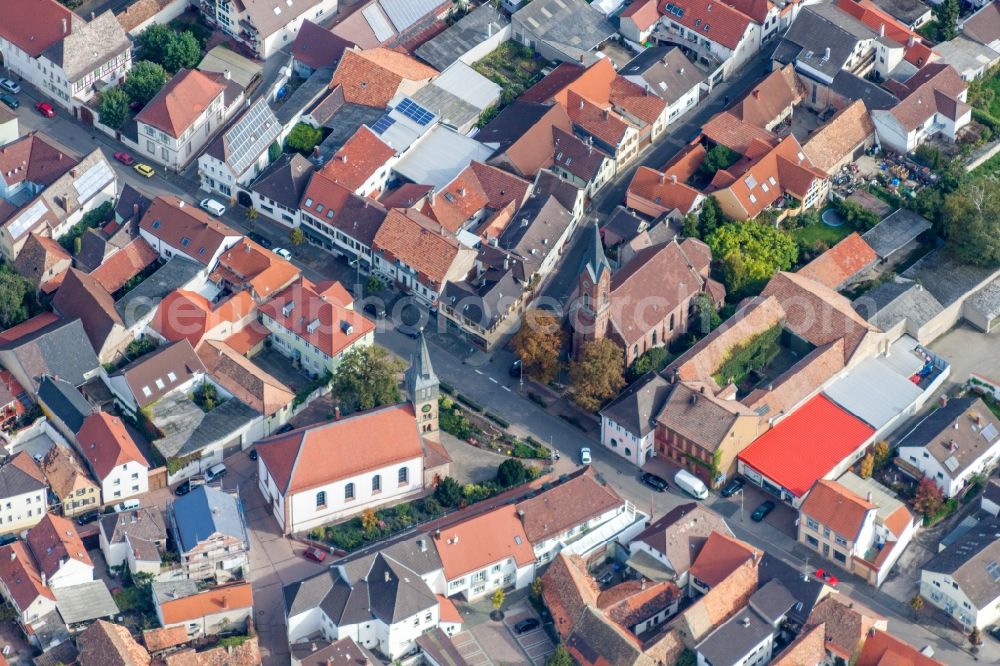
column 185, row 241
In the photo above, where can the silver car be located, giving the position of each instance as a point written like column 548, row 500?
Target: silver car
column 10, row 85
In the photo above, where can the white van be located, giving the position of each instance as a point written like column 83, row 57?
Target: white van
column 127, row 505
column 213, row 207
column 215, row 472
column 691, row 484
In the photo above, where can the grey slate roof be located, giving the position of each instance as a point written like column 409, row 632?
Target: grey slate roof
column 534, row 230
column 406, row 13
column 819, row 27
column 622, row 226
column 887, row 304
column 146, row 524
column 804, row 589
column 895, row 232
column 987, row 300
column 874, row 96
column 968, row 561
column 971, row 440
column 89, row 45
column 906, row 11
column 168, row 590
column 470, row 31
column 285, row 180
column 666, row 70
column 772, row 601
column 60, row 349
column 305, row 95
column 573, row 27
column 206, row 511
column 64, row 401
column 127, row 200
column 636, row 408
column 947, row 279
column 15, row 481
column 599, row 640
column 485, row 299
column 83, row 602
column 188, row 429
column 511, row 124
column 141, row 301
column 735, row 639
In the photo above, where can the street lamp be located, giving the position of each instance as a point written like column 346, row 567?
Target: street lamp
column 740, row 491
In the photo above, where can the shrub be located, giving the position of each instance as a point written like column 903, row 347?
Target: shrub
column 538, row 400
column 469, row 402
column 500, row 421
column 303, row 138
column 512, row 473
column 448, row 493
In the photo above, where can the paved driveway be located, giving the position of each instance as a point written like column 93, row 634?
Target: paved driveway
column 536, row 643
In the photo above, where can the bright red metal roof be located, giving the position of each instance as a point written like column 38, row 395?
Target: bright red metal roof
column 804, row 447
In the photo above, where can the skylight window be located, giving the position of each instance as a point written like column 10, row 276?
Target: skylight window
column 156, row 224
column 146, row 392
column 185, row 241
column 753, row 199
column 309, row 202
column 171, row 376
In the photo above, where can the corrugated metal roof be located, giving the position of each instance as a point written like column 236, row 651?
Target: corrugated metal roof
column 378, row 22
column 874, row 392
column 404, row 13
column 468, row 84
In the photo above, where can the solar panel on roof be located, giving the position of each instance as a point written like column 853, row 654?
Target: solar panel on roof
column 382, row 124
column 251, row 136
column 415, row 112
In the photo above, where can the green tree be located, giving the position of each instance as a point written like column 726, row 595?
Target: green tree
column 970, row 222
column 560, row 657
column 718, row 157
column 597, row 373
column 296, row 236
column 710, row 217
column 448, row 493
column 114, row 108
column 687, row 658
column 273, row 152
column 16, row 296
column 537, row 344
column 512, row 473
column 751, row 252
column 946, row 15
column 154, row 42
column 366, row 378
column 704, row 317
column 144, row 80
column 655, row 359
column 369, row 521
column 303, row 138
column 183, row 52
column 916, row 603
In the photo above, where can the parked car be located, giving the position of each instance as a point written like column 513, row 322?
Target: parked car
column 283, row 253
column 827, row 577
column 88, row 517
column 994, row 631
column 260, row 240
column 125, row 158
column 253, row 454
column 183, row 489
column 524, row 626
column 127, row 505
column 9, row 100
column 408, row 330
column 585, row 456
column 213, row 207
column 288, row 427
column 691, row 484
column 760, row 513
column 734, row 486
column 314, row 554
column 215, row 472
column 144, row 170
column 657, row 483
column 7, row 538
column 515, row 368
column 10, row 85
column 45, row 109
column 375, row 310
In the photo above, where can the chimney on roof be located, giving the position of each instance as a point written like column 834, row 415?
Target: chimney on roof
column 581, row 103
column 881, row 30
column 680, row 71
column 227, row 74
column 44, row 579
column 422, row 545
column 606, row 114
column 580, row 56
column 387, row 577
column 316, row 151
column 336, row 412
column 826, row 56
column 756, row 94
column 673, row 178
column 180, row 203
column 93, row 15
column 911, row 41
column 944, row 401
column 642, row 584
column 13, row 555
column 663, row 177
column 870, row 496
column 343, row 158
column 135, row 209
column 65, row 26
column 225, row 601
column 437, row 534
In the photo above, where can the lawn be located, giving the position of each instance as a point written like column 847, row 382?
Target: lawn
column 984, row 93
column 513, row 67
column 808, row 236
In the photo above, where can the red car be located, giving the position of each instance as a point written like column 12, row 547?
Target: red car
column 827, row 577
column 314, row 554
column 124, row 158
column 45, row 109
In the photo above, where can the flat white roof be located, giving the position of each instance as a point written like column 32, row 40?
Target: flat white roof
column 439, row 157
column 874, row 391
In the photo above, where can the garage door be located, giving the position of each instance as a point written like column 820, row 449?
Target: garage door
column 232, row 447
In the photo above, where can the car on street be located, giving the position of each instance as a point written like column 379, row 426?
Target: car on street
column 283, row 253
column 314, row 554
column 288, row 427
column 515, row 368
column 585, row 456
column 760, row 513
column 827, row 577
column 657, row 483
column 125, row 158
column 408, row 330
column 9, row 100
column 524, row 626
column 994, row 631
column 88, row 518
column 144, row 170
column 375, row 310
column 260, row 240
column 734, row 486
column 213, row 207
column 45, row 109
column 10, row 85
column 253, row 454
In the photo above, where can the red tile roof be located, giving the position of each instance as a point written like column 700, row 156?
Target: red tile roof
column 934, row 89
column 364, row 81
column 567, row 589
column 327, row 452
column 711, row 20
column 837, row 140
column 643, row 13
column 728, row 130
column 882, row 649
column 334, row 327
column 401, row 64
column 173, row 221
column 419, row 242
column 124, row 265
column 106, row 444
column 358, row 159
column 181, row 102
column 834, row 506
column 448, row 611
column 37, row 322
column 654, row 193
column 566, row 506
column 917, row 53
column 841, row 262
column 35, row 25
column 20, row 575
column 592, row 119
column 248, row 264
column 483, row 540
column 244, row 379
column 721, row 556
column 187, row 314
column 795, row 453
column 52, row 540
column 107, row 644
column 210, row 602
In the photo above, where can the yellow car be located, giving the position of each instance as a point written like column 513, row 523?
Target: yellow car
column 144, row 170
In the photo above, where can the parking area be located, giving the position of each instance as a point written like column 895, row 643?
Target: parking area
column 536, row 642
column 486, row 642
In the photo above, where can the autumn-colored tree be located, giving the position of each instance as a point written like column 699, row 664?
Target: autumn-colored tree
column 597, row 373
column 537, row 344
column 296, row 236
column 975, row 637
column 928, row 497
column 916, row 603
column 369, row 521
column 497, row 599
column 882, row 453
column 867, row 466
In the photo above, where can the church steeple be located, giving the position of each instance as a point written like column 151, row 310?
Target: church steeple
column 592, row 311
column 423, row 386
column 595, row 261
